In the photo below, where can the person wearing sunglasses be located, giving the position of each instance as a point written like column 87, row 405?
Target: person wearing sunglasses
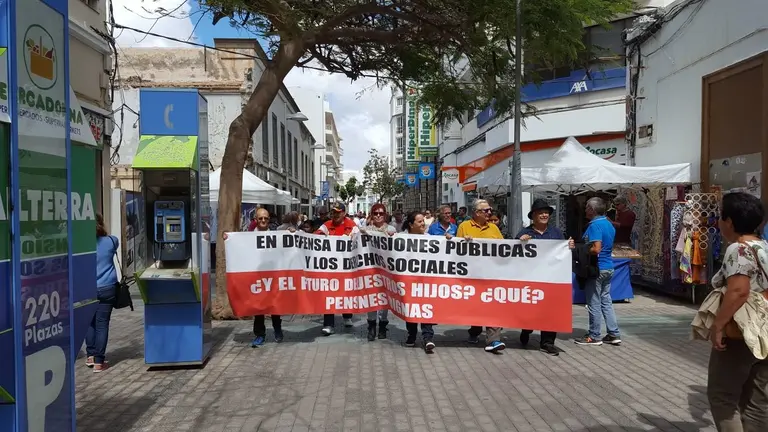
column 339, row 225
column 480, row 227
column 259, row 328
column 377, row 225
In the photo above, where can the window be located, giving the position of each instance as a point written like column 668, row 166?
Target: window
column 290, row 156
column 400, row 102
column 93, row 4
column 400, row 146
column 303, row 173
column 312, row 172
column 282, row 147
column 606, row 44
column 265, row 141
column 275, row 154
column 295, row 157
column 399, row 128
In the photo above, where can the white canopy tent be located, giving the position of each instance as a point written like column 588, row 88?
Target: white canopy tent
column 255, row 190
column 573, row 169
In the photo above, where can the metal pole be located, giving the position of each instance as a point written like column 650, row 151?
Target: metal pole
column 515, row 199
column 403, row 135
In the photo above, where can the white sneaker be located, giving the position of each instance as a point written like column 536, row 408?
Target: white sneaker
column 327, row 331
column 348, row 322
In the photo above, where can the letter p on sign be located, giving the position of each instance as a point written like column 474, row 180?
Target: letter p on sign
column 40, row 394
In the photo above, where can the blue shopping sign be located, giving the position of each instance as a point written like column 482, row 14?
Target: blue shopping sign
column 426, row 171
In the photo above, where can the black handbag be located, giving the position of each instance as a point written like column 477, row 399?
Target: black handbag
column 122, row 290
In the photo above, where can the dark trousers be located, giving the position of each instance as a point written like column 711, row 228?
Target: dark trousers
column 97, row 336
column 329, row 320
column 213, row 256
column 547, row 337
column 259, row 329
column 427, row 331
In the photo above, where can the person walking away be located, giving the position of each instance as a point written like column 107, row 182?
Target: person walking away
column 378, row 225
column 479, row 227
column 540, row 230
column 97, row 335
column 321, row 217
column 339, row 225
column 600, row 234
column 733, row 318
column 259, row 327
column 624, row 221
column 443, row 225
column 428, row 219
column 414, row 224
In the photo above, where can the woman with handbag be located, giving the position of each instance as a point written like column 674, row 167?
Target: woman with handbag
column 106, row 293
column 736, row 316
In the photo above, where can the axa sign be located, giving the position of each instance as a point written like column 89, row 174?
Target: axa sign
column 604, row 152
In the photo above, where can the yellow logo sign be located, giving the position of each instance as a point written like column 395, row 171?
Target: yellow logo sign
column 40, row 57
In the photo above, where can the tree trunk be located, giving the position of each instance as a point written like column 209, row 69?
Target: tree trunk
column 238, row 141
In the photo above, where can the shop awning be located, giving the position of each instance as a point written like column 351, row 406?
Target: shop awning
column 166, row 151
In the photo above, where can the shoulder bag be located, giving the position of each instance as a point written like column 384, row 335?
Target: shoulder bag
column 122, row 290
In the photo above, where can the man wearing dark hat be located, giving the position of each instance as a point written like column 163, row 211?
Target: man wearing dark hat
column 540, row 230
column 339, row 225
column 321, row 217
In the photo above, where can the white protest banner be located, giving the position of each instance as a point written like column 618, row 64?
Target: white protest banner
column 506, row 283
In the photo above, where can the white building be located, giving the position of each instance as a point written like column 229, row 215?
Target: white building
column 702, row 90
column 396, row 127
column 321, row 123
column 362, row 203
column 282, row 149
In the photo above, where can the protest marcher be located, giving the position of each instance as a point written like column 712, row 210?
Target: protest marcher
column 540, row 230
column 479, row 227
column 462, row 215
column 339, row 225
column 600, row 234
column 397, row 220
column 306, row 227
column 259, row 328
column 321, row 217
column 378, row 224
column 290, row 222
column 414, row 224
column 732, row 317
column 443, row 224
column 428, row 219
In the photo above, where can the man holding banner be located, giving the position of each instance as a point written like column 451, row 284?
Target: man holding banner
column 259, row 328
column 339, row 225
column 479, row 227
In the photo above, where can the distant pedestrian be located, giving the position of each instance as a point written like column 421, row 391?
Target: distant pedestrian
column 97, row 335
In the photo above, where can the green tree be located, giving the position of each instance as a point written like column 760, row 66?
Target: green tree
column 350, row 190
column 458, row 53
column 381, row 177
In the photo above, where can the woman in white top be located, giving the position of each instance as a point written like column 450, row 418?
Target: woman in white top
column 737, row 385
column 378, row 225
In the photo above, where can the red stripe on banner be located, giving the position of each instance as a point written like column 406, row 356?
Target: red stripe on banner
column 427, row 299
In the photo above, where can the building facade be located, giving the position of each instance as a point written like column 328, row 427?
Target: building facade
column 282, row 147
column 327, row 155
column 699, row 87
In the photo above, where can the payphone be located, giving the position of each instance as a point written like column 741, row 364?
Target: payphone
column 170, row 231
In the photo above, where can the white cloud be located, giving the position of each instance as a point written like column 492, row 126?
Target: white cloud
column 165, row 17
column 361, row 109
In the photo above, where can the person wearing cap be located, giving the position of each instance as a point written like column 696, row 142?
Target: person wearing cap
column 539, row 229
column 479, row 227
column 321, row 217
column 339, row 225
column 624, row 221
column 377, row 224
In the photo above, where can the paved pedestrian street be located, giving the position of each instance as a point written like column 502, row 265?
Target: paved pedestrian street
column 656, row 380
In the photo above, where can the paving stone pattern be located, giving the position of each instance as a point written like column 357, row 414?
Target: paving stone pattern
column 655, row 381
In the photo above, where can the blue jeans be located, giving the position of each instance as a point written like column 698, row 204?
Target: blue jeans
column 98, row 332
column 600, row 305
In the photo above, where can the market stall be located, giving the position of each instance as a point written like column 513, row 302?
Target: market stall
column 255, row 190
column 574, row 170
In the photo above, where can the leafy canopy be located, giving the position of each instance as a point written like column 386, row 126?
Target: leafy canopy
column 350, row 190
column 459, row 53
column 381, row 177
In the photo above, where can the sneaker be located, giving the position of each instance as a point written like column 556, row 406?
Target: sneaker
column 495, row 346
column 524, row 338
column 549, row 349
column 258, row 341
column 587, row 340
column 429, row 347
column 89, row 361
column 411, row 341
column 474, row 340
column 613, row 340
column 278, row 335
column 327, row 331
column 100, row 367
column 348, row 322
